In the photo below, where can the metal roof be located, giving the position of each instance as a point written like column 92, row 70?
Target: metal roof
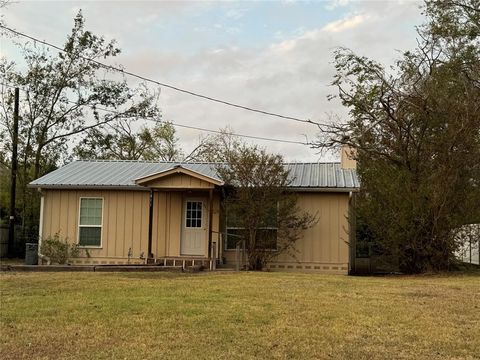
column 122, row 174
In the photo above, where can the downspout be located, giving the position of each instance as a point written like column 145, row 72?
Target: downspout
column 150, row 225
column 351, row 259
column 210, row 216
column 41, row 257
column 40, row 225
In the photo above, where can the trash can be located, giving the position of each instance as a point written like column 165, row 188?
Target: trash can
column 31, row 254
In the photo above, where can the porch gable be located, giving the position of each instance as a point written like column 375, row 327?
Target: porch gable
column 178, row 177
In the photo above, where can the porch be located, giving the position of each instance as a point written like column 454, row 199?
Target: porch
column 183, row 218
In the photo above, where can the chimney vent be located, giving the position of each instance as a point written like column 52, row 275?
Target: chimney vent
column 347, row 157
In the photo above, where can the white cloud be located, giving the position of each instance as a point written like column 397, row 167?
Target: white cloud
column 290, row 76
column 333, row 4
column 346, row 23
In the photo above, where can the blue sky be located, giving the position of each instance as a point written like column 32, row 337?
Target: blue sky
column 274, row 55
column 244, row 24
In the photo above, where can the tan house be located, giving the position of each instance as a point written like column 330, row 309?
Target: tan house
column 123, row 211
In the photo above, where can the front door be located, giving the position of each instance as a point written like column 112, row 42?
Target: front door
column 194, row 227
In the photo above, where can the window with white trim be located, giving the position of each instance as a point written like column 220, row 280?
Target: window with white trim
column 90, row 224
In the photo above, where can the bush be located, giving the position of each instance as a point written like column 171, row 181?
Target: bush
column 58, row 249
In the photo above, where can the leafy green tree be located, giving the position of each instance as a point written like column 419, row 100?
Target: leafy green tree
column 62, row 97
column 122, row 142
column 258, row 201
column 416, row 129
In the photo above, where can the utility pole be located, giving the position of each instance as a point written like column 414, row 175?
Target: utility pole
column 13, row 178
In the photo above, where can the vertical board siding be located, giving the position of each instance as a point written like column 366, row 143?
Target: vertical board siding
column 180, row 181
column 125, row 220
column 144, row 228
column 324, row 246
column 71, row 213
column 325, row 242
column 175, row 223
column 216, row 223
column 121, row 229
column 156, row 245
column 128, row 243
column 55, row 217
column 119, row 224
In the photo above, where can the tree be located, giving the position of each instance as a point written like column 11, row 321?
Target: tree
column 121, row 142
column 3, row 4
column 214, row 148
column 417, row 134
column 259, row 202
column 63, row 95
column 63, row 91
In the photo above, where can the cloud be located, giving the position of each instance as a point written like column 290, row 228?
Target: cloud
column 289, row 74
column 346, row 23
column 235, row 13
column 333, row 4
column 147, row 19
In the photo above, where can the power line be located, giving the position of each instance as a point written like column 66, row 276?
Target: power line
column 189, row 126
column 176, row 88
column 235, row 134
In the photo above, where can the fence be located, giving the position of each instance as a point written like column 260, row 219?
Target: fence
column 3, row 240
column 470, row 253
column 469, row 235
column 21, row 238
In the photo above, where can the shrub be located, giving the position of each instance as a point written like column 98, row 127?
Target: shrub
column 58, row 249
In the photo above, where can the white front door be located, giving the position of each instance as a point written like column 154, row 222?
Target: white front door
column 194, row 227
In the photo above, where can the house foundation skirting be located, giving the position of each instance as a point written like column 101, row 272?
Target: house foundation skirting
column 183, row 262
column 107, row 261
column 327, row 268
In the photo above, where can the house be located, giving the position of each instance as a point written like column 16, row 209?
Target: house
column 121, row 211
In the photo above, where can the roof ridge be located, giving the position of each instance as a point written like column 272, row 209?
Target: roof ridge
column 191, row 162
column 311, row 162
column 143, row 161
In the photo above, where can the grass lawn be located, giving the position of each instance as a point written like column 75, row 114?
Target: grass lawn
column 238, row 316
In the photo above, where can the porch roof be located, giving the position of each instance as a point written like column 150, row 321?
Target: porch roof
column 123, row 175
column 176, row 170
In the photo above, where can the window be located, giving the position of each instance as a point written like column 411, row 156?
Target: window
column 90, row 224
column 193, row 216
column 266, row 235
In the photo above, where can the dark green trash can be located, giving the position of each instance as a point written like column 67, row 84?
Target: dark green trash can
column 31, row 254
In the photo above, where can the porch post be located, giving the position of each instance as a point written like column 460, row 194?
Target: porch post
column 210, row 216
column 150, row 221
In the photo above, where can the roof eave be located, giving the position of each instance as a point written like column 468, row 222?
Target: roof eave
column 86, row 187
column 325, row 189
column 141, row 188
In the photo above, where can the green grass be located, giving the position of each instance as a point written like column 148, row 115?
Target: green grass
column 238, row 316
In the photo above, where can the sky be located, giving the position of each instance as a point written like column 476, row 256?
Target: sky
column 276, row 56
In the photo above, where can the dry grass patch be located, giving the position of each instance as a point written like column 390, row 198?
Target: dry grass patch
column 233, row 316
